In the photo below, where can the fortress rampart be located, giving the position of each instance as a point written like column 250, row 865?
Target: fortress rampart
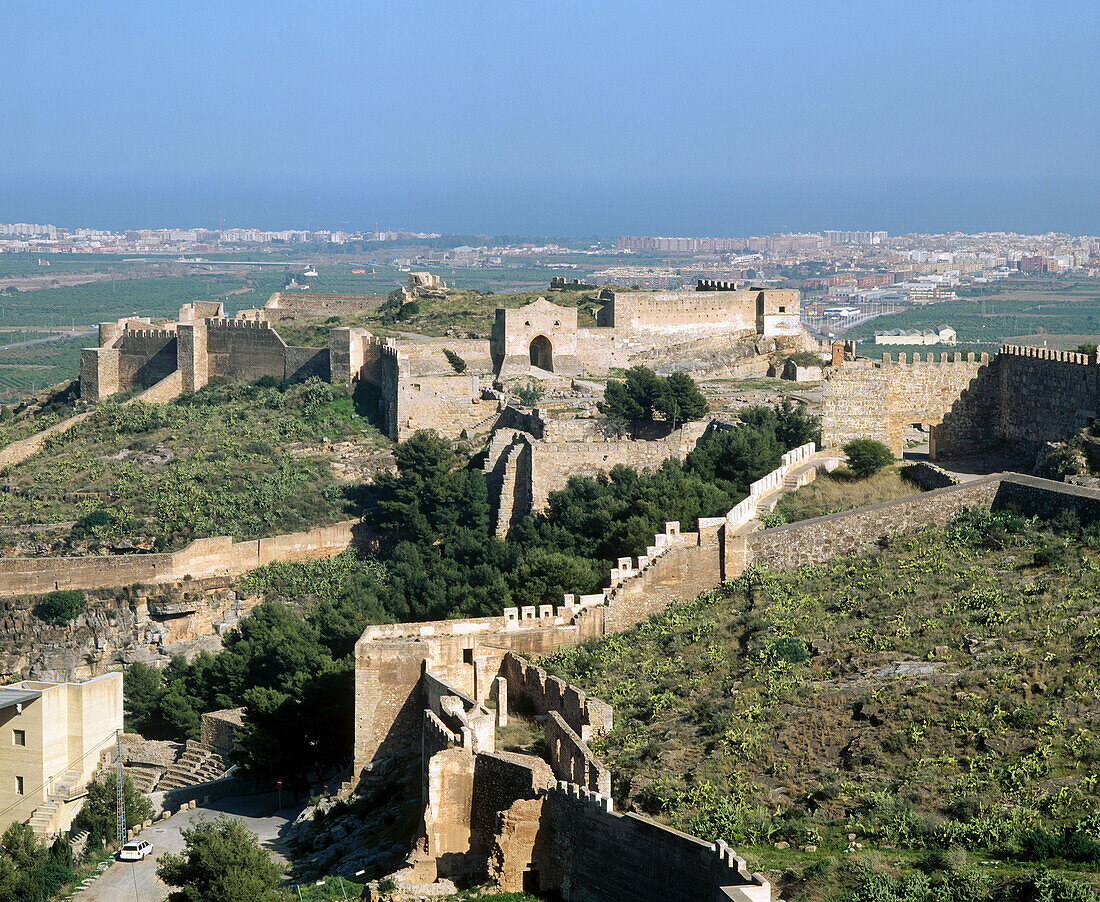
column 132, row 356
column 499, row 815
column 973, row 404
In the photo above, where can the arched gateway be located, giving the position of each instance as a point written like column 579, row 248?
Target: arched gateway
column 542, row 353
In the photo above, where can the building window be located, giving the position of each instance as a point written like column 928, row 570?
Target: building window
column 19, row 737
column 467, row 656
column 782, row 309
column 19, row 786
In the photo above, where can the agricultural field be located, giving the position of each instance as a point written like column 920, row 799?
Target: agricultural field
column 92, row 302
column 934, row 700
column 232, row 459
column 1049, row 306
column 24, row 371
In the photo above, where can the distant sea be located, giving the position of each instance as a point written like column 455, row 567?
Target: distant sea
column 736, row 206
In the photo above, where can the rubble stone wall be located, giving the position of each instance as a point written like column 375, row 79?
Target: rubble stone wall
column 218, row 556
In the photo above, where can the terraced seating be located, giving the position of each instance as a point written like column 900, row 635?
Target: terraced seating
column 198, row 764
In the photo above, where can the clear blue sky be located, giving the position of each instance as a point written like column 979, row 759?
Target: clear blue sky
column 579, row 118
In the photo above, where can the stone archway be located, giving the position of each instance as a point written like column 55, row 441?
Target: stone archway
column 542, row 353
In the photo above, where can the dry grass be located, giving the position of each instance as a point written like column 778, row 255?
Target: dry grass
column 840, row 491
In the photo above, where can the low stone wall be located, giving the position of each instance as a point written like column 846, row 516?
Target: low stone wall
column 219, row 556
column 816, row 540
column 1034, row 497
column 929, row 476
column 812, row 541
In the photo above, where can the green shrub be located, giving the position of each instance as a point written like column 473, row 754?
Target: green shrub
column 530, row 394
column 865, row 456
column 456, row 362
column 61, row 606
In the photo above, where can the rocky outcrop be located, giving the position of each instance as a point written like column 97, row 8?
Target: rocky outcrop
column 148, row 624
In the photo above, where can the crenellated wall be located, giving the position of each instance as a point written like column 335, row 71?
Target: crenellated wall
column 500, row 821
column 974, row 404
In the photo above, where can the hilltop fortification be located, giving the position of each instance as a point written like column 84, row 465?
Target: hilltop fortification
column 1018, row 399
column 440, row 383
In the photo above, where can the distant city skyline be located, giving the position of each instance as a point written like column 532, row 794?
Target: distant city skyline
column 569, row 118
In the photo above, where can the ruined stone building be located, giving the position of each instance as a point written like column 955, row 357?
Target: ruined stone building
column 418, row 384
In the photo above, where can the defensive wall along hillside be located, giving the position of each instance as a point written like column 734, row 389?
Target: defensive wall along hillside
column 202, row 558
column 439, row 690
column 1019, row 399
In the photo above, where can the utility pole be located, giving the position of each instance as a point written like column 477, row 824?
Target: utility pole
column 120, row 796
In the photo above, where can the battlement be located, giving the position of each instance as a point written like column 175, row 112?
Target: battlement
column 1052, row 354
column 165, row 334
column 746, row 509
column 437, row 732
column 598, row 801
column 654, row 861
column 250, row 325
column 716, row 285
column 931, row 358
column 588, row 716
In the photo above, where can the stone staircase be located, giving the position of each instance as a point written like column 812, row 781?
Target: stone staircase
column 198, row 764
column 44, row 819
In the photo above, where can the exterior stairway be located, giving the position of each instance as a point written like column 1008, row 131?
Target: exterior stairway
column 44, row 820
column 197, row 765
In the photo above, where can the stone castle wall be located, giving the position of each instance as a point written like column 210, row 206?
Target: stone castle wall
column 562, row 840
column 312, row 305
column 145, row 357
column 245, row 350
column 1046, row 395
column 974, row 404
column 879, row 401
column 522, row 471
column 218, row 556
column 597, row 854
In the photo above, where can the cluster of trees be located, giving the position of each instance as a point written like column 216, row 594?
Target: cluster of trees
column 99, row 811
column 29, row 871
column 643, row 396
column 439, row 559
column 223, row 860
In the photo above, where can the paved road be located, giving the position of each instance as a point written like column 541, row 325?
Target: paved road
column 117, row 884
column 77, row 333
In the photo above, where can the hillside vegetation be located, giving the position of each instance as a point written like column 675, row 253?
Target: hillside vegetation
column 467, row 313
column 437, row 557
column 210, row 463
column 939, row 693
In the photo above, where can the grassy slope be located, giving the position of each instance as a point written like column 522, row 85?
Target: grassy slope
column 726, row 726
column 467, row 311
column 226, row 471
column 839, row 492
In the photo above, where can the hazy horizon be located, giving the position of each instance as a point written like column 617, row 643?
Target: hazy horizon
column 604, row 118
